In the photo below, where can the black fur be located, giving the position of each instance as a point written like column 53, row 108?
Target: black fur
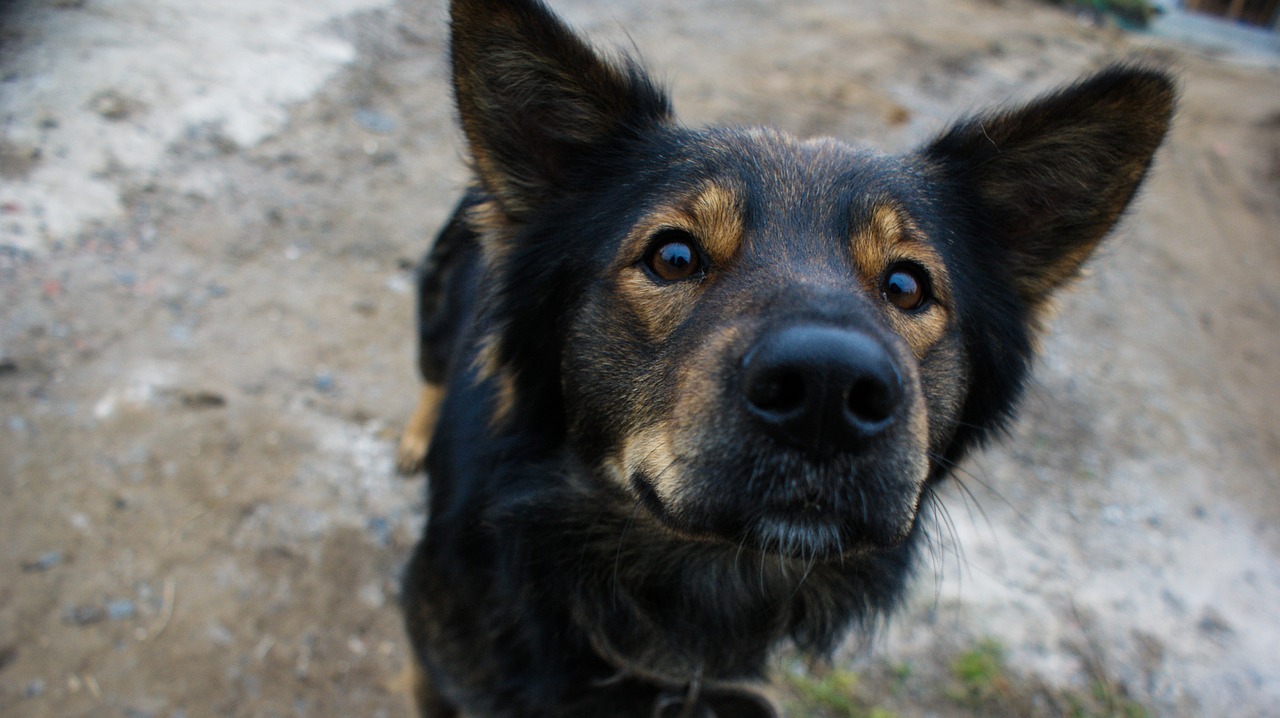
column 557, row 579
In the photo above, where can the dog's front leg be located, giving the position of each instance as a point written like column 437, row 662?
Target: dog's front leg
column 417, row 434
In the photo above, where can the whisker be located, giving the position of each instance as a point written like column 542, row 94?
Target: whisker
column 617, row 556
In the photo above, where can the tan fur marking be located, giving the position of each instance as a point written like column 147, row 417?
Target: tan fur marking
column 494, row 228
column 504, row 400
column 414, row 681
column 873, row 247
column 656, row 450
column 713, row 215
column 487, row 364
column 659, row 308
column 891, row 237
column 649, row 452
column 717, row 219
column 417, row 434
column 694, row 415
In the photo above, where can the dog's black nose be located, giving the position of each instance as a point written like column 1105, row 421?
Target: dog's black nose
column 821, row 388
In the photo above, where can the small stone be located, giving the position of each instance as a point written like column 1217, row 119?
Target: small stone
column 121, row 610
column 219, row 634
column 375, row 121
column 43, row 562
column 203, row 399
column 180, row 333
column 323, row 382
column 372, row 595
column 35, row 688
column 113, row 105
column 83, row 615
column 380, row 527
column 1215, row 625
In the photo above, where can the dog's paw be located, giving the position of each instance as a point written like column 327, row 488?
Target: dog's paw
column 417, row 434
column 411, row 453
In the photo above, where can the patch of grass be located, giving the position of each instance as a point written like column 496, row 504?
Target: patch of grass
column 975, row 679
column 983, row 684
column 835, row 694
column 980, row 675
column 1106, row 700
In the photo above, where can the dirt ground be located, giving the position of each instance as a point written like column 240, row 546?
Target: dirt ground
column 203, row 369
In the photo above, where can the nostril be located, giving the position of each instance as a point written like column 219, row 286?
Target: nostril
column 779, row 392
column 873, row 399
column 820, row 389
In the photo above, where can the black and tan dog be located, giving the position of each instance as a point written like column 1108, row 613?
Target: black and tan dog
column 695, row 387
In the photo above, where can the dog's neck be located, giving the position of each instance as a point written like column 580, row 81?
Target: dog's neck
column 671, row 610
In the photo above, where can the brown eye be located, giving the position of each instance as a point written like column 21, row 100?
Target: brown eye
column 904, row 286
column 673, row 256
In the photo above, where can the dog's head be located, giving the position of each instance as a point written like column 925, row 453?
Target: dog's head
column 769, row 341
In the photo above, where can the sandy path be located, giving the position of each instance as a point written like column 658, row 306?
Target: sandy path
column 205, row 350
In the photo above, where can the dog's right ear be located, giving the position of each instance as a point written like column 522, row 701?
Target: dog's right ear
column 538, row 106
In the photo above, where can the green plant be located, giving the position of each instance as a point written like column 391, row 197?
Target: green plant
column 980, row 673
column 833, row 695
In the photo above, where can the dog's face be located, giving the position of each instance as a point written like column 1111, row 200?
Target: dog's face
column 764, row 350
column 765, row 341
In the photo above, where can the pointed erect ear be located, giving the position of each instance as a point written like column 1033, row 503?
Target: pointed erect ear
column 1046, row 182
column 538, row 106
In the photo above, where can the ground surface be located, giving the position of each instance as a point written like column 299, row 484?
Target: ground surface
column 207, row 215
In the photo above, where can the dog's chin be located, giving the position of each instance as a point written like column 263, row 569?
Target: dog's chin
column 823, row 538
column 803, row 533
column 804, row 538
column 831, row 522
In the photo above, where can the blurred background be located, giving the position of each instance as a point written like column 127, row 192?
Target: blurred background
column 209, row 215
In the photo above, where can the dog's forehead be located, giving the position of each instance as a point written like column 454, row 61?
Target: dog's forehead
column 762, row 195
column 781, row 178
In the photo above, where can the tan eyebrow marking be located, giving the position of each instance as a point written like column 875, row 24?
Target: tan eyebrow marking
column 888, row 237
column 717, row 216
column 713, row 214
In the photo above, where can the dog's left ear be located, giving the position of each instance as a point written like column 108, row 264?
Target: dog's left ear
column 1047, row 182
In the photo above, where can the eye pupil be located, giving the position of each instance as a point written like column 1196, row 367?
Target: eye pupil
column 674, row 257
column 904, row 288
column 677, row 254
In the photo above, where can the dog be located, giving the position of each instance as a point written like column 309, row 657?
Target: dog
column 689, row 392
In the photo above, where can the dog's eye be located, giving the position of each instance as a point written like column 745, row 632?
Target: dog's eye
column 905, row 286
column 674, row 256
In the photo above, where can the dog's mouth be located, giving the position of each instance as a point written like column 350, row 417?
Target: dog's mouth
column 811, row 512
column 803, row 538
column 820, row 533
